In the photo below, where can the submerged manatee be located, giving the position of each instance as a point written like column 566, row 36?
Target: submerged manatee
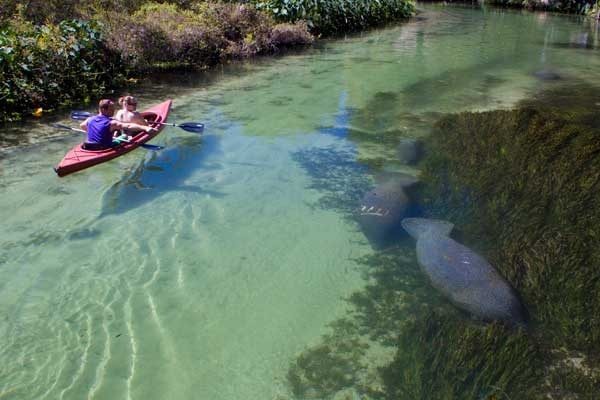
column 547, row 75
column 410, row 151
column 465, row 277
column 382, row 209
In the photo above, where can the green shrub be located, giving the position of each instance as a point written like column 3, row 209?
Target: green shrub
column 50, row 65
column 39, row 11
column 201, row 36
column 333, row 16
column 55, row 64
column 287, row 35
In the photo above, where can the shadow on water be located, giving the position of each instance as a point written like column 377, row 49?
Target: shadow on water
column 341, row 126
column 377, row 204
column 166, row 171
column 334, row 170
column 336, row 174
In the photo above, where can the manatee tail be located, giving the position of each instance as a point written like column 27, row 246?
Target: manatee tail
column 419, row 226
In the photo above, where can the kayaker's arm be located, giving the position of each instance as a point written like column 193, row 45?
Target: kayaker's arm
column 83, row 125
column 117, row 125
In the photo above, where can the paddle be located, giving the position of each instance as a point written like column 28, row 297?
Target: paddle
column 195, row 127
column 66, row 127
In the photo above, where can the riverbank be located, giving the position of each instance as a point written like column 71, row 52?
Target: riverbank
column 79, row 54
column 584, row 7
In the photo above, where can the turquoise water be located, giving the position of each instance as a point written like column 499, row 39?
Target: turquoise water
column 201, row 271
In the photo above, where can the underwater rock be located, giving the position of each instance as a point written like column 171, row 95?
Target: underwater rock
column 547, row 75
column 382, row 209
column 410, row 151
column 465, row 277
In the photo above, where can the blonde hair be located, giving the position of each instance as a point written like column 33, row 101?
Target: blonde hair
column 127, row 100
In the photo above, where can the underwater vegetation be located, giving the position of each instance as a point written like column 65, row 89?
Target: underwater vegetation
column 403, row 340
column 524, row 185
column 439, row 358
column 522, row 188
column 391, row 121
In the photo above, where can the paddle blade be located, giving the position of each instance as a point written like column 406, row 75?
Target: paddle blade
column 66, row 127
column 80, row 115
column 195, row 127
column 151, row 147
column 61, row 126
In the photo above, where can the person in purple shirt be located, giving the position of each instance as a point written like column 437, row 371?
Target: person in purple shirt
column 100, row 128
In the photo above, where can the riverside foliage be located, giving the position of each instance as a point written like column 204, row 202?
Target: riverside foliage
column 338, row 16
column 55, row 53
column 51, row 65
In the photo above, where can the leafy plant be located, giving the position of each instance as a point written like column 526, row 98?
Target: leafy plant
column 333, row 16
column 49, row 65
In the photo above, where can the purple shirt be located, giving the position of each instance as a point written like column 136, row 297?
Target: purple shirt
column 98, row 130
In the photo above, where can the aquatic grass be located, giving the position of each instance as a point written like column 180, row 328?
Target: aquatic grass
column 521, row 186
column 440, row 357
column 329, row 367
column 532, row 176
column 402, row 340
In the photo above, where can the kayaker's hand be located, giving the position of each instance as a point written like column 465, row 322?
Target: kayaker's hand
column 150, row 129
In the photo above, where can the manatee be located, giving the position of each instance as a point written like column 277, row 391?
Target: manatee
column 547, row 75
column 462, row 275
column 382, row 209
column 410, row 151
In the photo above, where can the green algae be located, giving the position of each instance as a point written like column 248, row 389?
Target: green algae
column 521, row 186
column 524, row 183
column 440, row 357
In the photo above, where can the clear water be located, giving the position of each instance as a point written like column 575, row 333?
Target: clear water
column 202, row 270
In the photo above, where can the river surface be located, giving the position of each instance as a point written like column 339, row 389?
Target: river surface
column 201, row 271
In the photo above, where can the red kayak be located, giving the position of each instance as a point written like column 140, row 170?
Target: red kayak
column 78, row 158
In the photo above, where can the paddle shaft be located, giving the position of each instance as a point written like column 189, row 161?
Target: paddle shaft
column 195, row 127
column 144, row 145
